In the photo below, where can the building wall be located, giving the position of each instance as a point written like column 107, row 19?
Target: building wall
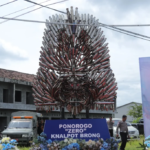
column 9, row 86
column 6, row 108
column 24, row 89
column 12, row 87
column 124, row 111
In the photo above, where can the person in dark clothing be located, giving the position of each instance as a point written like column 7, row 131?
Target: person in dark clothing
column 42, row 122
column 123, row 132
column 41, row 126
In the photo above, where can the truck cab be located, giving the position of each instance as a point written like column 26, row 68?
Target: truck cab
column 22, row 127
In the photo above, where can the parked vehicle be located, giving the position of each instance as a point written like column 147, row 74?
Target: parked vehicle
column 139, row 126
column 22, row 127
column 133, row 132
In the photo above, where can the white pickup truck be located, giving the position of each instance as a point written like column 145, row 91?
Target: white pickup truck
column 22, row 127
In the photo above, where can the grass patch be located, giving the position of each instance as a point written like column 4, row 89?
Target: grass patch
column 134, row 144
column 23, row 148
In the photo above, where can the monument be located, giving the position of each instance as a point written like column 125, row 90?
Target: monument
column 74, row 67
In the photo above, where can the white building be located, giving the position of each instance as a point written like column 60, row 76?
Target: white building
column 124, row 109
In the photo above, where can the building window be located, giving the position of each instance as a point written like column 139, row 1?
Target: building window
column 5, row 95
column 29, row 98
column 17, row 96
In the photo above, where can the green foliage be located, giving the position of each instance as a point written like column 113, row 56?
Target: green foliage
column 133, row 144
column 23, row 148
column 35, row 141
column 81, row 143
column 143, row 146
column 136, row 120
column 135, row 111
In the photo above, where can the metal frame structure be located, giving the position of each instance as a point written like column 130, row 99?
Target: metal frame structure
column 74, row 67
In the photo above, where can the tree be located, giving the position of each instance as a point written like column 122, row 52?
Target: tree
column 135, row 111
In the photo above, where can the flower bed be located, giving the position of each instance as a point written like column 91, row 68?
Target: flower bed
column 6, row 144
column 74, row 144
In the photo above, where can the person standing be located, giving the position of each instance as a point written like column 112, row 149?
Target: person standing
column 110, row 124
column 39, row 127
column 42, row 122
column 42, row 126
column 122, row 125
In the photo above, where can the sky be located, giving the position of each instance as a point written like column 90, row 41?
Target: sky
column 20, row 42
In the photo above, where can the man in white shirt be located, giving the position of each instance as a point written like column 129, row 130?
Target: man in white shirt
column 123, row 132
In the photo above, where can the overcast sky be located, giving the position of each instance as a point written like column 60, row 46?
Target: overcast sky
column 20, row 42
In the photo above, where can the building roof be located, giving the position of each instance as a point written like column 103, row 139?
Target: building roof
column 129, row 104
column 16, row 75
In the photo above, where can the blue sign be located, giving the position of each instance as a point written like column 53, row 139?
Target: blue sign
column 77, row 129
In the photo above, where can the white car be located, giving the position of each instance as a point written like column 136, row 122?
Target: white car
column 133, row 132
